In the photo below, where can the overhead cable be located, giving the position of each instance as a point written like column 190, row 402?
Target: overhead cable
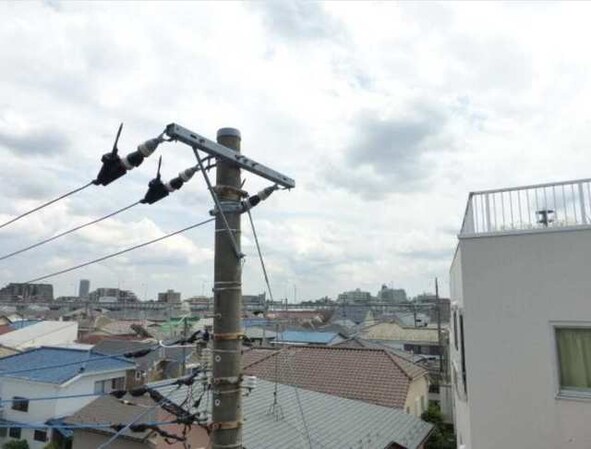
column 69, row 231
column 55, row 200
column 118, row 253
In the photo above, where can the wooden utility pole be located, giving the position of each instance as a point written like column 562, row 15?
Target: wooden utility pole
column 227, row 332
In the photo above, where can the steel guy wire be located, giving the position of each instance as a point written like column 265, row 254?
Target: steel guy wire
column 254, row 233
column 218, row 205
column 4, row 425
column 48, row 203
column 62, row 234
column 118, row 253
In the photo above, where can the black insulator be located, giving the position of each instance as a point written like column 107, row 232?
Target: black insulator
column 135, row 158
column 137, row 354
column 111, row 170
column 156, row 191
column 176, row 183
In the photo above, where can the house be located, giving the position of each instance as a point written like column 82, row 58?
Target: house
column 259, row 335
column 41, row 333
column 73, row 372
column 164, row 363
column 297, row 337
column 107, row 409
column 520, row 339
column 418, row 340
column 298, row 419
column 375, row 376
column 353, row 315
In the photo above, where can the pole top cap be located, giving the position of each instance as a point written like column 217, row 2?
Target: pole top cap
column 229, row 132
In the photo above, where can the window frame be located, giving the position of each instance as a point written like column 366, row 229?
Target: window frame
column 560, row 392
column 20, row 404
column 18, row 429
column 44, row 431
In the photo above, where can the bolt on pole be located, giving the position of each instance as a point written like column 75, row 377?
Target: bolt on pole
column 227, row 331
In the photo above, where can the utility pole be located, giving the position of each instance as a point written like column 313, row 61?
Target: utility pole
column 227, row 332
column 438, row 301
column 226, row 380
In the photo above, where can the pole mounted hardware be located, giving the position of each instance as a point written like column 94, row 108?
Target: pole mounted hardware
column 114, row 167
column 177, row 132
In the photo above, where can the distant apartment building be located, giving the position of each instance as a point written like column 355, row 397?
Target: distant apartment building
column 393, row 295
column 112, row 294
column 356, row 295
column 520, row 339
column 169, row 296
column 254, row 302
column 29, row 292
column 84, row 288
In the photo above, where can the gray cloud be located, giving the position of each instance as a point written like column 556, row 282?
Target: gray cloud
column 444, row 254
column 297, row 20
column 38, row 142
column 386, row 155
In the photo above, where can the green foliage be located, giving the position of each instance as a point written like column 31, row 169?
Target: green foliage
column 442, row 436
column 16, row 444
column 52, row 445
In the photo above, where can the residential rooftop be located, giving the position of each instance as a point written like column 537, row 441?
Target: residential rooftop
column 69, row 364
column 546, row 207
column 371, row 375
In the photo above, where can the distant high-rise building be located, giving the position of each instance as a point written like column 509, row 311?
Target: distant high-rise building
column 354, row 296
column 84, row 288
column 169, row 296
column 393, row 295
column 32, row 292
column 112, row 294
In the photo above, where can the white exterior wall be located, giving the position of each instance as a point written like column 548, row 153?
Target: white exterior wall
column 512, row 288
column 41, row 411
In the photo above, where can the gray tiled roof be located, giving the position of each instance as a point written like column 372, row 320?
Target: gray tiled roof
column 332, row 422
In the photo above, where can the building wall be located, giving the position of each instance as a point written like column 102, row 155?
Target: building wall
column 418, row 388
column 513, row 289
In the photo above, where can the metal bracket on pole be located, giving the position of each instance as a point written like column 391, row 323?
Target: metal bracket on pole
column 177, row 132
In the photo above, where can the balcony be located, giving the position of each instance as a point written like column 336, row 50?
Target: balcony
column 534, row 208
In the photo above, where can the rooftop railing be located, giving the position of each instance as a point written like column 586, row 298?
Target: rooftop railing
column 536, row 207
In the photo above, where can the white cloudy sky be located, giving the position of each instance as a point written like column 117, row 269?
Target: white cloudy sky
column 386, row 114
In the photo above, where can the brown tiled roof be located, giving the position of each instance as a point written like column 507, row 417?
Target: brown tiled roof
column 370, row 375
column 252, row 355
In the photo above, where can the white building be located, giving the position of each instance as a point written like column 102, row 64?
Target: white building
column 23, row 377
column 520, row 340
column 42, row 333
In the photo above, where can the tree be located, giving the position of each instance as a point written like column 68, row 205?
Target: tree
column 442, row 436
column 16, row 444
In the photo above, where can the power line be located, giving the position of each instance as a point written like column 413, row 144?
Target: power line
column 118, row 253
column 77, row 426
column 55, row 200
column 62, row 234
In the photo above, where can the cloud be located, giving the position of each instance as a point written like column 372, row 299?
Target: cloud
column 39, row 142
column 293, row 20
column 387, row 152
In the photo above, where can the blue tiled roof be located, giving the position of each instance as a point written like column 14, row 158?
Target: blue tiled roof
column 306, row 337
column 37, row 358
column 23, row 323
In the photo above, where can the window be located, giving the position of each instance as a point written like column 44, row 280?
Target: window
column 423, row 404
column 100, row 386
column 108, row 385
column 40, row 435
column 118, row 383
column 574, row 359
column 3, row 432
column 463, row 353
column 20, row 404
column 15, row 432
column 408, row 410
column 456, row 329
column 139, row 375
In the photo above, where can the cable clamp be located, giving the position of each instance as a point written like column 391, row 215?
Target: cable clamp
column 226, row 425
column 228, row 207
column 221, row 289
column 226, row 380
column 229, row 336
column 230, row 191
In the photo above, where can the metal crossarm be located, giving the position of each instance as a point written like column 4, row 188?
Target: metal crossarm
column 177, row 132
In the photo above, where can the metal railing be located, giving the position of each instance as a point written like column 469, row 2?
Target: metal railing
column 534, row 207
